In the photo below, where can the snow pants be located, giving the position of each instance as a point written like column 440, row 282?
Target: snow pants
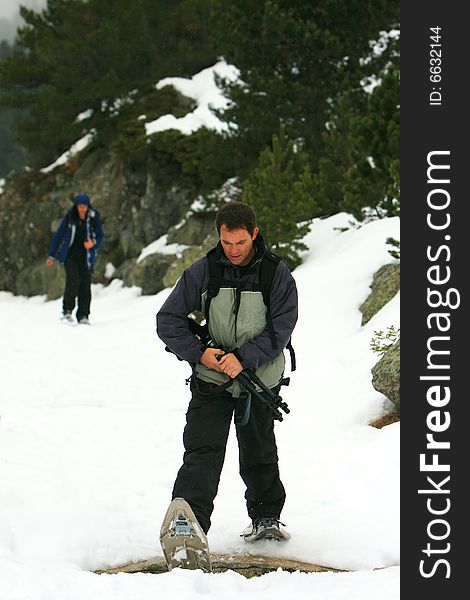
column 77, row 286
column 205, row 437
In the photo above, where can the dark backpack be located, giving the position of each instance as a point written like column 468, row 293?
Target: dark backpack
column 267, row 268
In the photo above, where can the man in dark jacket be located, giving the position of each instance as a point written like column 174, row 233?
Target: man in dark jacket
column 75, row 245
column 238, row 326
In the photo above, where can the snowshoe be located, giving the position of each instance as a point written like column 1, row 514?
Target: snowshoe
column 183, row 542
column 67, row 318
column 265, row 529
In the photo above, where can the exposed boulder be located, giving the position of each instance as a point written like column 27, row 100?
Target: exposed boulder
column 386, row 374
column 149, row 274
column 193, row 230
column 198, row 232
column 385, row 285
column 189, row 256
column 41, row 277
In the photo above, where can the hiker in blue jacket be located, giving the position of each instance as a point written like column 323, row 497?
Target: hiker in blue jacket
column 248, row 333
column 75, row 245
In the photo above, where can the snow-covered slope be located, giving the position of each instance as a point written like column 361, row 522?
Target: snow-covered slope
column 91, row 422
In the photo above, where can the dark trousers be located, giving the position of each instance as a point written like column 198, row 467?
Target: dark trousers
column 205, row 437
column 77, row 286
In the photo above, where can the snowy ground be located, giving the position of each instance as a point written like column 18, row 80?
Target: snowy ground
column 91, row 422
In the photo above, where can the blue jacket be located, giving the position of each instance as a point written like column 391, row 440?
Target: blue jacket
column 64, row 236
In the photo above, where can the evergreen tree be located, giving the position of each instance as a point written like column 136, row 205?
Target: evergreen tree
column 280, row 192
column 12, row 155
column 301, row 65
column 89, row 56
column 5, row 50
column 360, row 164
column 295, row 57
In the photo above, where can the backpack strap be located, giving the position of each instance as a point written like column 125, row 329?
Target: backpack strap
column 266, row 275
column 293, row 362
column 216, row 275
column 267, row 268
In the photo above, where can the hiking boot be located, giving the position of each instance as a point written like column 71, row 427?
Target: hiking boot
column 83, row 321
column 67, row 317
column 265, row 528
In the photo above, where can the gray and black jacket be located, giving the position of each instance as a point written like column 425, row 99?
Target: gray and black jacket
column 242, row 329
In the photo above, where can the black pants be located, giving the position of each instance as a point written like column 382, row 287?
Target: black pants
column 205, row 437
column 77, row 286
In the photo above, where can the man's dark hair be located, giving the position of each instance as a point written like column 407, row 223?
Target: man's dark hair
column 234, row 215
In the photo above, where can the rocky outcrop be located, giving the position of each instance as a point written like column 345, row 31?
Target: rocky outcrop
column 199, row 233
column 40, row 279
column 149, row 274
column 385, row 285
column 386, row 374
column 195, row 235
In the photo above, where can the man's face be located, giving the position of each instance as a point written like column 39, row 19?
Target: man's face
column 82, row 208
column 238, row 244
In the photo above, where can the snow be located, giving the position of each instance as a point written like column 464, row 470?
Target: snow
column 109, row 270
column 80, row 145
column 115, row 106
column 91, row 422
column 377, row 47
column 83, row 116
column 160, row 246
column 203, row 89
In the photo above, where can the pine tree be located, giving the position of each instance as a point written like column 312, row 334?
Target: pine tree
column 295, row 58
column 5, row 50
column 88, row 56
column 280, row 192
column 360, row 164
column 12, row 155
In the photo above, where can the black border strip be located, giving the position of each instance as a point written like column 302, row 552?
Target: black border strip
column 434, row 122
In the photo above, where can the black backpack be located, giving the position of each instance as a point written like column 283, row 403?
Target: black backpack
column 267, row 268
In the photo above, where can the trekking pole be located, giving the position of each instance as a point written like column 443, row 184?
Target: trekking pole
column 275, row 398
column 247, row 378
column 245, row 381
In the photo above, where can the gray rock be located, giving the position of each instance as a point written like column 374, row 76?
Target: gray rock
column 33, row 280
column 176, row 268
column 149, row 273
column 194, row 230
column 386, row 374
column 122, row 272
column 385, row 285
